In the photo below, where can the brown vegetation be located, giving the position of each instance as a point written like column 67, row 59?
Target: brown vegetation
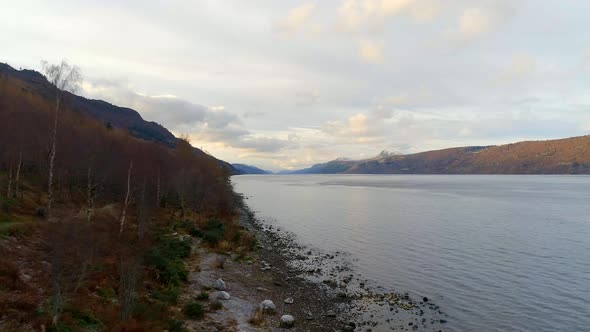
column 108, row 258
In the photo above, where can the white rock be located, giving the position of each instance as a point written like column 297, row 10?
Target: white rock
column 223, row 296
column 287, row 321
column 268, row 306
column 289, row 300
column 219, row 284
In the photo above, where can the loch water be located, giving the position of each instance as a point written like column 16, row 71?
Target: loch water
column 496, row 252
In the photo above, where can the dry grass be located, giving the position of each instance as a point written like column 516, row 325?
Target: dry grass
column 257, row 318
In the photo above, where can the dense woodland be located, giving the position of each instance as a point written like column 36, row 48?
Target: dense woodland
column 90, row 215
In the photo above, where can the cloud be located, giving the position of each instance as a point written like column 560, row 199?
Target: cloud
column 371, row 51
column 362, row 14
column 474, row 23
column 307, row 98
column 297, row 19
column 586, row 59
column 359, row 128
column 203, row 124
column 521, row 65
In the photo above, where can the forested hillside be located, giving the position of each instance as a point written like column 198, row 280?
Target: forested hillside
column 90, row 214
column 102, row 111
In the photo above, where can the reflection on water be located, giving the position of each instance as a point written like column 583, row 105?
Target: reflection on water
column 496, row 252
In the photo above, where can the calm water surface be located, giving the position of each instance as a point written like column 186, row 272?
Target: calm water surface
column 497, row 253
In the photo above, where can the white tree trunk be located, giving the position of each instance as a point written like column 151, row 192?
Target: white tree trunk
column 52, row 158
column 158, row 190
column 9, row 189
column 17, row 179
column 90, row 196
column 126, row 203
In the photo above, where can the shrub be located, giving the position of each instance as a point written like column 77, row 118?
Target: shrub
column 175, row 325
column 215, row 305
column 108, row 294
column 166, row 259
column 193, row 310
column 214, row 231
column 151, row 311
column 167, row 295
column 87, row 320
column 7, row 203
column 202, row 296
column 41, row 213
column 257, row 317
column 60, row 327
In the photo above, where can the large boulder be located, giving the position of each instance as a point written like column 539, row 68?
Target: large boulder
column 268, row 307
column 287, row 321
column 223, row 296
column 219, row 284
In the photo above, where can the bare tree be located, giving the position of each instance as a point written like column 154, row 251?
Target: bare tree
column 63, row 77
column 17, row 177
column 127, row 196
column 9, row 189
column 158, row 189
column 93, row 187
column 127, row 285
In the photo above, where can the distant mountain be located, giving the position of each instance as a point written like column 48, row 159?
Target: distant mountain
column 563, row 156
column 247, row 169
column 109, row 114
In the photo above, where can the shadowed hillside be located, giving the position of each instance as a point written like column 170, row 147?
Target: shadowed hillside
column 563, row 156
column 109, row 114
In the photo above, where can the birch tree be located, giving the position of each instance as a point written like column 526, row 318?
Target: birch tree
column 126, row 202
column 64, row 78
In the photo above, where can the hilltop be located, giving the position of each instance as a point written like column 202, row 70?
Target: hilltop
column 111, row 115
column 562, row 156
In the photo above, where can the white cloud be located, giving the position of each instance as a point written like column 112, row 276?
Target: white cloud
column 521, row 65
column 298, row 19
column 371, row 51
column 474, row 23
column 360, row 14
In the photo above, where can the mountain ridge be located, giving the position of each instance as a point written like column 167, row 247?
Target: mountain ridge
column 558, row 156
column 249, row 169
column 103, row 111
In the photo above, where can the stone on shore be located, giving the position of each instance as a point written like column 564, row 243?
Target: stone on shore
column 289, row 300
column 219, row 284
column 287, row 321
column 268, row 307
column 223, row 296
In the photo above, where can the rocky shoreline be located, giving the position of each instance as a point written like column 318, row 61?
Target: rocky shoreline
column 309, row 290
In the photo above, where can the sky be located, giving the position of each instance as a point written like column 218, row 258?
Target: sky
column 287, row 84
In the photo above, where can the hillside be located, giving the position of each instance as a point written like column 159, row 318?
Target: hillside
column 248, row 169
column 91, row 212
column 562, row 156
column 115, row 116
